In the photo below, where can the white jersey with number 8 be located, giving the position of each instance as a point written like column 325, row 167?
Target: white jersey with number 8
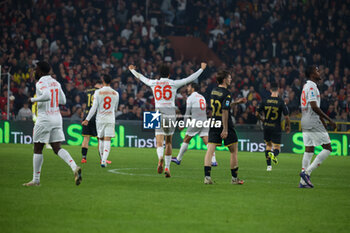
column 105, row 103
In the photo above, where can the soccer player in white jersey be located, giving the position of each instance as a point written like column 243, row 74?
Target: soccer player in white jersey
column 48, row 126
column 105, row 102
column 313, row 126
column 196, row 107
column 164, row 91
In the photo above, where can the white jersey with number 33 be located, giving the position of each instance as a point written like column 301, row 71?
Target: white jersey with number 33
column 310, row 119
column 105, row 102
column 164, row 90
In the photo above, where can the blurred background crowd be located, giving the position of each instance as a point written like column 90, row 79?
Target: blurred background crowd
column 259, row 41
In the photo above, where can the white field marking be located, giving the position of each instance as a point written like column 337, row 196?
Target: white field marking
column 260, row 179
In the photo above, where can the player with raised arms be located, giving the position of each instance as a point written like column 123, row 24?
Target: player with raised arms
column 196, row 107
column 48, row 126
column 164, row 91
column 313, row 126
column 105, row 102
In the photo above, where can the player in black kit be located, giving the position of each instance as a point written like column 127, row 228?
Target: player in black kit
column 89, row 130
column 221, row 103
column 272, row 109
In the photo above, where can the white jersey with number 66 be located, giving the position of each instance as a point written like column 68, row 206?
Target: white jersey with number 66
column 164, row 90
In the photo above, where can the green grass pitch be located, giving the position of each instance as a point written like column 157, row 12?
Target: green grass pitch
column 129, row 196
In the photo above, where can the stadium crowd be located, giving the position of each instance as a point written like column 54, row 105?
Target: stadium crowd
column 259, row 41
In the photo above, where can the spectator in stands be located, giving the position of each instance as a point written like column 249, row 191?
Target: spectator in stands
column 24, row 113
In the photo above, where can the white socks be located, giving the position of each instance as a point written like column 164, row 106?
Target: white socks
column 106, row 150
column 213, row 159
column 37, row 163
column 318, row 160
column 160, row 152
column 182, row 151
column 306, row 160
column 100, row 148
column 67, row 158
column 167, row 159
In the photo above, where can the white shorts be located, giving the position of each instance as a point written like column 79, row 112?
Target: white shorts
column 193, row 131
column 105, row 130
column 47, row 134
column 316, row 136
column 167, row 129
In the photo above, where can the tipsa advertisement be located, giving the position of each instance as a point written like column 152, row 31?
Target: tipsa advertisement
column 132, row 134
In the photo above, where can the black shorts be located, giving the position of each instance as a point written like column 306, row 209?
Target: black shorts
column 215, row 138
column 272, row 135
column 90, row 129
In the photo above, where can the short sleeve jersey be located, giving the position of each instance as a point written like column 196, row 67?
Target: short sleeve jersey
column 107, row 101
column 48, row 111
column 310, row 119
column 90, row 99
column 273, row 108
column 220, row 99
column 196, row 106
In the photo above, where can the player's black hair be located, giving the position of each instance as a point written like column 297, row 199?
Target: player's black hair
column 107, row 78
column 98, row 81
column 44, row 67
column 195, row 86
column 309, row 70
column 274, row 86
column 221, row 76
column 164, row 71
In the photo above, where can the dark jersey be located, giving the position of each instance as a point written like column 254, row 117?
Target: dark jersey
column 220, row 99
column 90, row 98
column 273, row 107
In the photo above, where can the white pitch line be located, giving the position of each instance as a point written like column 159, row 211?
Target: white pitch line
column 270, row 180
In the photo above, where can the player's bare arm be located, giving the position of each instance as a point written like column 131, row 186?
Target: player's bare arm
column 259, row 116
column 239, row 101
column 322, row 115
column 287, row 124
column 224, row 132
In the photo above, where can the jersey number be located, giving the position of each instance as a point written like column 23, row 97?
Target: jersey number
column 303, row 99
column 202, row 104
column 216, row 105
column 53, row 91
column 90, row 99
column 107, row 102
column 274, row 111
column 158, row 92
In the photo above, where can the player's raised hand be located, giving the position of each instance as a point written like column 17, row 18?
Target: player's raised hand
column 85, row 123
column 203, row 65
column 132, row 67
column 224, row 134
